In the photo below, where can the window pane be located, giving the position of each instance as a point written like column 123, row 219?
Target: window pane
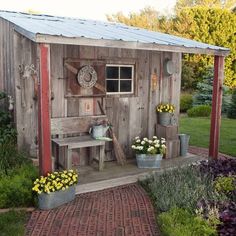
column 126, row 72
column 112, row 86
column 112, row 72
column 126, row 86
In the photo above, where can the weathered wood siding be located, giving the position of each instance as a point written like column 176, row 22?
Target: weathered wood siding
column 25, row 54
column 130, row 115
column 6, row 58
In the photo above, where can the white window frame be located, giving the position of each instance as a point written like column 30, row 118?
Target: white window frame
column 132, row 79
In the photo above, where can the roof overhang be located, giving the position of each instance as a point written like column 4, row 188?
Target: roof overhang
column 55, row 39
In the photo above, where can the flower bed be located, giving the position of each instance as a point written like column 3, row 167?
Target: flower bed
column 204, row 192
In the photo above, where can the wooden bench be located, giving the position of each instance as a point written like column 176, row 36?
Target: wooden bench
column 78, row 126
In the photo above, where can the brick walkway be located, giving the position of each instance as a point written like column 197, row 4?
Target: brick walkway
column 119, row 211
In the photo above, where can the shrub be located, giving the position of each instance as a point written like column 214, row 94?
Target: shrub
column 225, row 183
column 219, row 167
column 186, row 102
column 12, row 223
column 228, row 219
column 10, row 157
column 179, row 222
column 183, row 187
column 232, row 107
column 16, row 188
column 199, row 111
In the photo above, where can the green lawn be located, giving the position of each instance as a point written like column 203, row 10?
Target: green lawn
column 12, row 223
column 199, row 130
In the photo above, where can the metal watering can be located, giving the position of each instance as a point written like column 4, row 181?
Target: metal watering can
column 98, row 131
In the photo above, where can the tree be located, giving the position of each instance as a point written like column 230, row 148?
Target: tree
column 232, row 108
column 225, row 4
column 147, row 18
column 209, row 25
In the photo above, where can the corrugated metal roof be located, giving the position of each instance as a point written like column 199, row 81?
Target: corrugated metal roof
column 33, row 25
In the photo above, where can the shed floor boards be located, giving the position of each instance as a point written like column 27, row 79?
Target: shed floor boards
column 90, row 179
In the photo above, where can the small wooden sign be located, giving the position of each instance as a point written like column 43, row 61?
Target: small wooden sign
column 154, row 80
column 86, row 107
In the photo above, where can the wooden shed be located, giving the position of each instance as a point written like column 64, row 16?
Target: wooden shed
column 41, row 56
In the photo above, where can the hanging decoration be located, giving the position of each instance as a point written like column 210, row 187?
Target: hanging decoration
column 87, row 77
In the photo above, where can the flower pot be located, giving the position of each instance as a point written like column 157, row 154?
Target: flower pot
column 149, row 161
column 164, row 118
column 54, row 199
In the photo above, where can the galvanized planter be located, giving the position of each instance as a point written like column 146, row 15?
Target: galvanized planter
column 184, row 140
column 149, row 161
column 52, row 200
column 164, row 118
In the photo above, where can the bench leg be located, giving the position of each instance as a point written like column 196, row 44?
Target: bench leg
column 101, row 156
column 69, row 159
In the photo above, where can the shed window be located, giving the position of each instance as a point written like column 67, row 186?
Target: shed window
column 119, row 79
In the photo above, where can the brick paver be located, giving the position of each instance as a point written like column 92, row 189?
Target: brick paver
column 120, row 211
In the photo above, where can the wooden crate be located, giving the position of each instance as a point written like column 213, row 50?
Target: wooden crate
column 172, row 148
column 169, row 132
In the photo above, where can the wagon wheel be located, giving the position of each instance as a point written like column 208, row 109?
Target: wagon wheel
column 93, row 83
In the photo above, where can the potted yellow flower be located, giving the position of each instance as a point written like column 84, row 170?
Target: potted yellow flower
column 55, row 189
column 165, row 111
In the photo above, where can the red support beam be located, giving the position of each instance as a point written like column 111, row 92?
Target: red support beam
column 216, row 106
column 44, row 115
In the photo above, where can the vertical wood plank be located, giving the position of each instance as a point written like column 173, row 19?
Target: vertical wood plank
column 44, row 114
column 154, row 67
column 57, row 80
column 143, row 88
column 176, row 84
column 123, row 130
column 216, row 106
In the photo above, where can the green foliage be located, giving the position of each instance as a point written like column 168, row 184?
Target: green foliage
column 12, row 223
column 186, row 102
column 189, row 75
column 182, row 187
column 226, row 4
column 199, row 130
column 16, row 188
column 205, row 88
column 225, row 184
column 202, row 23
column 199, row 111
column 10, row 157
column 232, row 107
column 179, row 222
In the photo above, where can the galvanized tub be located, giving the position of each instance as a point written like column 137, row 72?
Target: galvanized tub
column 52, row 200
column 149, row 161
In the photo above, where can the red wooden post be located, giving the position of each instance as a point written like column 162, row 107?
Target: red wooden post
column 216, row 106
column 44, row 115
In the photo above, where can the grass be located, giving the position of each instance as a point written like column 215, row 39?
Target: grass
column 199, row 130
column 12, row 223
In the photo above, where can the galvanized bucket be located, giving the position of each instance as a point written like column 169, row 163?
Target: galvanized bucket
column 164, row 118
column 184, row 140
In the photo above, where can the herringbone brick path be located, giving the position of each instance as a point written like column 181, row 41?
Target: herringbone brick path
column 120, row 211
